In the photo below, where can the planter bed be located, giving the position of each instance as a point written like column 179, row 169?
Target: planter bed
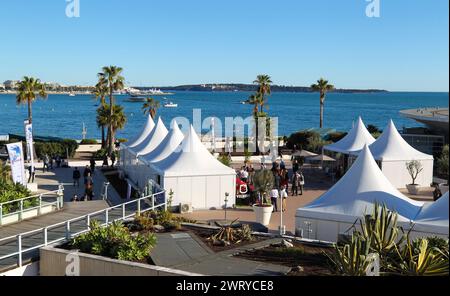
column 311, row 258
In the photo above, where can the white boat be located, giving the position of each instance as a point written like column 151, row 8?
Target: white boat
column 71, row 94
column 170, row 105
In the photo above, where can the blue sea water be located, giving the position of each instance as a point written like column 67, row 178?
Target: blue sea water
column 63, row 116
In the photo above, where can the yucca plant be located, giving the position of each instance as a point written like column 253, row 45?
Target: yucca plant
column 418, row 258
column 353, row 258
column 380, row 228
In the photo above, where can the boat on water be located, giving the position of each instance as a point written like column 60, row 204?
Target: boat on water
column 71, row 94
column 170, row 105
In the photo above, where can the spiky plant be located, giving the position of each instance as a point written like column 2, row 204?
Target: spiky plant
column 418, row 258
column 381, row 229
column 353, row 258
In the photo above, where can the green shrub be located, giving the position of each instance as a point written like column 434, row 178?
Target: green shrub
column 53, row 149
column 224, row 159
column 308, row 140
column 89, row 142
column 336, row 136
column 443, row 163
column 115, row 241
column 10, row 192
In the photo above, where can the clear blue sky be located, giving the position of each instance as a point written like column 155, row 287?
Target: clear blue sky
column 172, row 42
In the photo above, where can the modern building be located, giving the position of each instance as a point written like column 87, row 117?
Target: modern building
column 434, row 119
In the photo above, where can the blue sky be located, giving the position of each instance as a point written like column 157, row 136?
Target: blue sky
column 172, row 42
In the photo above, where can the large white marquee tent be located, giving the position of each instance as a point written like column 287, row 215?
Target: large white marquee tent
column 351, row 198
column 125, row 157
column 394, row 152
column 195, row 176
column 354, row 141
column 433, row 219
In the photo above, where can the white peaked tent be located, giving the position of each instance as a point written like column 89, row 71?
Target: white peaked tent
column 433, row 219
column 351, row 198
column 168, row 145
column 354, row 141
column 146, row 130
column 195, row 176
column 124, row 151
column 394, row 152
column 152, row 141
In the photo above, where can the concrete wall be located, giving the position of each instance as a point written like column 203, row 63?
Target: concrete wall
column 31, row 269
column 27, row 214
column 53, row 263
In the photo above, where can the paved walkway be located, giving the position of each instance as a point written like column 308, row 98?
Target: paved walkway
column 185, row 252
column 49, row 181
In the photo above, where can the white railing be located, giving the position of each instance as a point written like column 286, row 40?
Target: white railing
column 58, row 195
column 69, row 231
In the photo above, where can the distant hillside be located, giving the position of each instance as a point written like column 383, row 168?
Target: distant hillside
column 252, row 87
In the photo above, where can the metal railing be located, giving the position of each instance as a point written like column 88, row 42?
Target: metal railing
column 69, row 229
column 42, row 200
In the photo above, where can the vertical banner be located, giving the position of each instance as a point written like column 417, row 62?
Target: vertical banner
column 29, row 139
column 17, row 162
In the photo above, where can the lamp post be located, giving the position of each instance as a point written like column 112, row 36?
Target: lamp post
column 226, row 202
column 105, row 193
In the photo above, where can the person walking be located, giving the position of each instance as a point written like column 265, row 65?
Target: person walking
column 31, row 172
column 76, row 175
column 87, row 172
column 295, row 183
column 45, row 166
column 51, row 163
column 113, row 159
column 295, row 166
column 273, row 198
column 283, row 196
column 105, row 161
column 92, row 164
column 301, row 182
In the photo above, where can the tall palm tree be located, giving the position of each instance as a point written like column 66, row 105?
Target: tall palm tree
column 259, row 100
column 29, row 89
column 116, row 121
column 150, row 107
column 322, row 86
column 114, row 82
column 264, row 82
column 100, row 93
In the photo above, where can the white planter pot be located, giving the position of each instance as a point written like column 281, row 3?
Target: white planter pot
column 413, row 189
column 263, row 214
column 443, row 187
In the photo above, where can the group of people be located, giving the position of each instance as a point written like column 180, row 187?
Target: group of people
column 282, row 181
column 88, row 182
column 50, row 162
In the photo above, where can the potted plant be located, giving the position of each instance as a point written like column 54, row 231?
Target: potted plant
column 442, row 164
column 263, row 182
column 414, row 168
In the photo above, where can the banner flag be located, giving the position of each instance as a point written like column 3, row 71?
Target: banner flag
column 17, row 162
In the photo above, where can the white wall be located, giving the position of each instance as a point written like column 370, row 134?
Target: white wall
column 398, row 175
column 322, row 230
column 202, row 192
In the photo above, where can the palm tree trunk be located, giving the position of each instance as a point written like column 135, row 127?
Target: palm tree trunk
column 103, row 137
column 30, row 112
column 257, row 132
column 110, row 129
column 321, row 110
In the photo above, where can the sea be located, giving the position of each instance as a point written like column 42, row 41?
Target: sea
column 64, row 116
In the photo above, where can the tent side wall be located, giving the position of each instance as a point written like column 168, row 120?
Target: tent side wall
column 319, row 229
column 398, row 175
column 202, row 192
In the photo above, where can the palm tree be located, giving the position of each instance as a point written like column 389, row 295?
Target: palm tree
column 116, row 121
column 114, row 82
column 264, row 82
column 323, row 87
column 29, row 89
column 150, row 107
column 100, row 92
column 259, row 100
column 5, row 172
